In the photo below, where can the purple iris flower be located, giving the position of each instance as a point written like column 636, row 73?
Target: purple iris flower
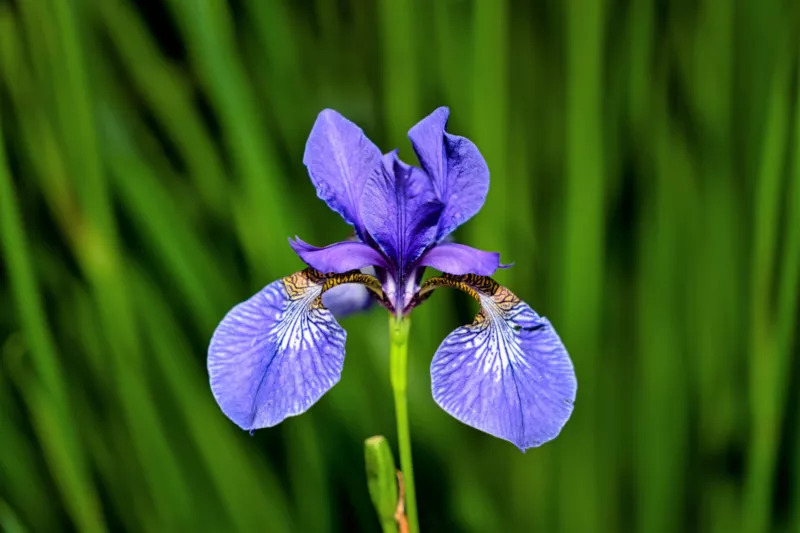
column 274, row 355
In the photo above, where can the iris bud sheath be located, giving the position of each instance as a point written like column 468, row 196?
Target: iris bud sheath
column 382, row 480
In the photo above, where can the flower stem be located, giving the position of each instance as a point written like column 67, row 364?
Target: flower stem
column 398, row 361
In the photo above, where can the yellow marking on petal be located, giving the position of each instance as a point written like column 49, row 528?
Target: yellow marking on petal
column 370, row 282
column 478, row 287
column 298, row 284
column 354, row 276
column 448, row 280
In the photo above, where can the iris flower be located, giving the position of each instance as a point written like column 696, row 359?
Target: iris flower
column 274, row 355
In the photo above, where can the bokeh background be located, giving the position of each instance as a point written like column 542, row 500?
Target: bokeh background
column 645, row 160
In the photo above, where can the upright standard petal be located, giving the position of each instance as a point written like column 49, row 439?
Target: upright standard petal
column 339, row 257
column 400, row 211
column 457, row 169
column 507, row 373
column 340, row 159
column 277, row 353
column 459, row 259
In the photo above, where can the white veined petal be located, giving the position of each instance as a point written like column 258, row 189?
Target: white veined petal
column 276, row 354
column 507, row 374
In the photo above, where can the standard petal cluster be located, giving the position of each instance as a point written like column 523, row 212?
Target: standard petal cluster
column 276, row 354
column 401, row 214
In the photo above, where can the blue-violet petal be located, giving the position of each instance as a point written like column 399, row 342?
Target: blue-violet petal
column 458, row 259
column 507, row 373
column 349, row 298
column 345, row 300
column 400, row 211
column 276, row 354
column 456, row 168
column 340, row 159
column 339, row 257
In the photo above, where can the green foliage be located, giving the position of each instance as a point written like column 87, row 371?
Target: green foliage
column 645, row 163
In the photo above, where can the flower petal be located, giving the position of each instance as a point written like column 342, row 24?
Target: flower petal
column 400, row 211
column 507, row 373
column 277, row 353
column 457, row 169
column 339, row 257
column 458, row 259
column 345, row 300
column 340, row 159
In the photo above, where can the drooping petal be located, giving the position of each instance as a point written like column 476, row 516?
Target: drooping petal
column 400, row 211
column 507, row 373
column 339, row 257
column 276, row 354
column 458, row 259
column 340, row 159
column 457, row 169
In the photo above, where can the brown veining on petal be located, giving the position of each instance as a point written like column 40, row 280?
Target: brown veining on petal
column 298, row 284
column 354, row 276
column 480, row 288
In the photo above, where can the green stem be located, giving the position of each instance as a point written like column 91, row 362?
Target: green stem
column 398, row 361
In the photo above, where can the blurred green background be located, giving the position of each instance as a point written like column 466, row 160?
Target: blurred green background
column 645, row 162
